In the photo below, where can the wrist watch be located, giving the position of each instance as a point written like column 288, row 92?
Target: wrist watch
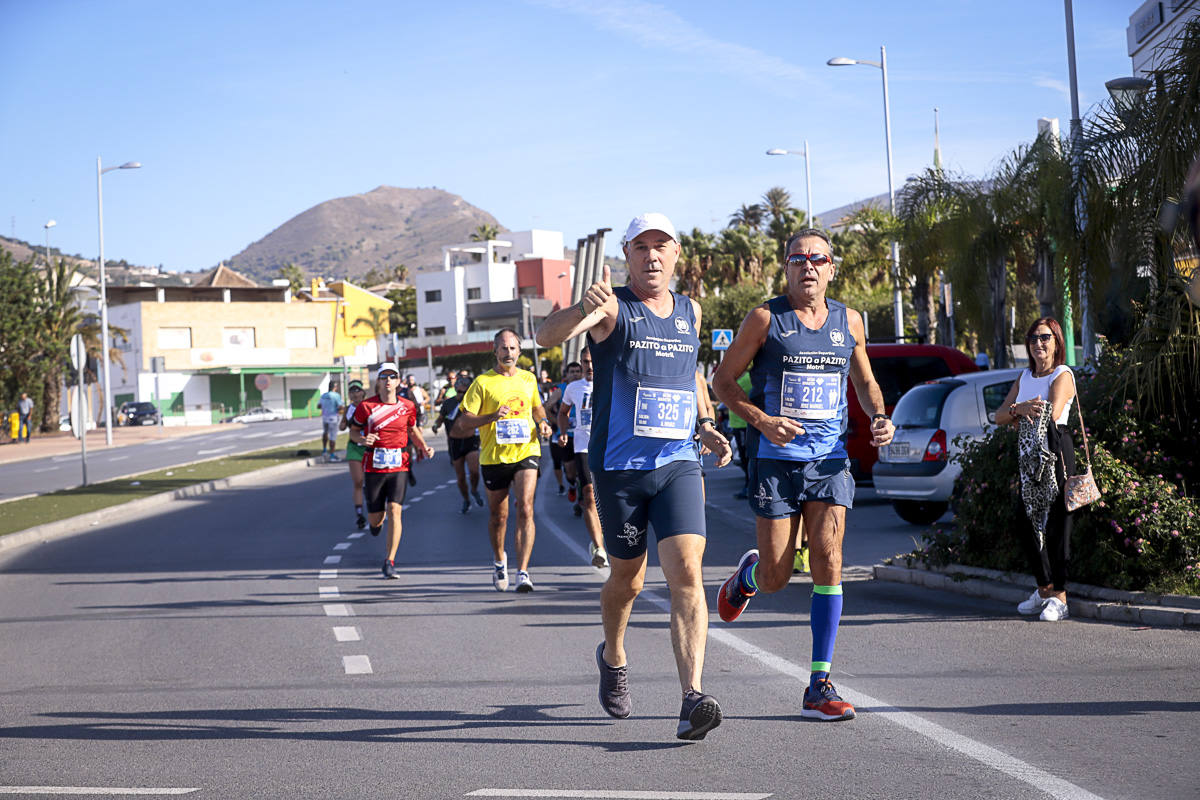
column 700, row 422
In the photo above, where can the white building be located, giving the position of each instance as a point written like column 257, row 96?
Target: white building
column 1153, row 24
column 475, row 276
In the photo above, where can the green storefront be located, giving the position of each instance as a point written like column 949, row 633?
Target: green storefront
column 233, row 390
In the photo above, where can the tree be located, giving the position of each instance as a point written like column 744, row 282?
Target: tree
column 777, row 202
column 61, row 319
column 402, row 316
column 748, row 216
column 863, row 252
column 294, row 276
column 727, row 310
column 22, row 359
column 485, row 231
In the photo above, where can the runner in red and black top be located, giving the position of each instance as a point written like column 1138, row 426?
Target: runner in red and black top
column 383, row 424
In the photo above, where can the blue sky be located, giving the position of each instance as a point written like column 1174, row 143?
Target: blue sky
column 561, row 114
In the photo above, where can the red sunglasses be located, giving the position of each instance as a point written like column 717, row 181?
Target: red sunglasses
column 816, row 259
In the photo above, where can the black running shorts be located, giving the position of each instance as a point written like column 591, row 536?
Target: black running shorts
column 381, row 488
column 498, row 477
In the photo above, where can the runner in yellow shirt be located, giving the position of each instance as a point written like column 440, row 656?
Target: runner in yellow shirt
column 504, row 404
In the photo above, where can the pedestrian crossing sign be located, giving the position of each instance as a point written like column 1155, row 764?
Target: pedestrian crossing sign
column 722, row 338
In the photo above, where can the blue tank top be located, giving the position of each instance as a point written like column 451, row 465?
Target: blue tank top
column 801, row 374
column 644, row 388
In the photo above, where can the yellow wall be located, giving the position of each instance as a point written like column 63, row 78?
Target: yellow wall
column 357, row 304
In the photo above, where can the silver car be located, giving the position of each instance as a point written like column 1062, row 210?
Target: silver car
column 914, row 471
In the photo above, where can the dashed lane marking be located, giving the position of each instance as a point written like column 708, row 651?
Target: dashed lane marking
column 328, row 592
column 347, row 634
column 342, row 546
column 332, row 560
column 327, row 574
column 355, row 536
column 357, row 665
column 619, row 794
column 122, row 790
column 214, row 450
column 338, row 610
column 426, row 494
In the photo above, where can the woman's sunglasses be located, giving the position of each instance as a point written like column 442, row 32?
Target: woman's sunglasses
column 816, row 259
column 1041, row 337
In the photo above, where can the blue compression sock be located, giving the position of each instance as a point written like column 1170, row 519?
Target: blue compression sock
column 823, row 619
column 748, row 580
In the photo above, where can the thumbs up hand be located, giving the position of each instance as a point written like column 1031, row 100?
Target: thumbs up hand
column 598, row 293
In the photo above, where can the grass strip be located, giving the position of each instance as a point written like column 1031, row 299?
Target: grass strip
column 19, row 515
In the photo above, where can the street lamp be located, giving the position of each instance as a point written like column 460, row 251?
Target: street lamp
column 1126, row 93
column 48, row 226
column 777, row 151
column 881, row 64
column 104, row 297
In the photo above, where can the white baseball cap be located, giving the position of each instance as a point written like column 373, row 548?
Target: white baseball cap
column 650, row 221
column 387, row 367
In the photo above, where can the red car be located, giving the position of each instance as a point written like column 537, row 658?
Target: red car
column 897, row 368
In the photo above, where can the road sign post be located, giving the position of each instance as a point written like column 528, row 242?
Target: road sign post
column 79, row 360
column 722, row 338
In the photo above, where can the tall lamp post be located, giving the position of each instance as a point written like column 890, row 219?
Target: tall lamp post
column 778, row 151
column 104, row 296
column 881, row 64
column 48, row 226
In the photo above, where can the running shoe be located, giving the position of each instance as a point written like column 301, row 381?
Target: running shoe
column 523, row 583
column 500, row 574
column 466, row 506
column 1054, row 611
column 599, row 557
column 731, row 600
column 823, row 703
column 578, row 509
column 478, row 499
column 562, row 489
column 699, row 715
column 571, row 495
column 375, row 529
column 614, row 687
column 389, row 570
column 800, row 561
column 360, row 522
column 1032, row 604
column 412, row 479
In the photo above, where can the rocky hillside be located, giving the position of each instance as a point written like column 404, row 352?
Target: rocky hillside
column 380, row 229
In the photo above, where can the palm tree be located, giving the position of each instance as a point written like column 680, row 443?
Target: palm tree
column 748, row 216
column 777, row 202
column 485, row 231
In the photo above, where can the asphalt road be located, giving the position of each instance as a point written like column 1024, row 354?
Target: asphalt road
column 244, row 645
column 38, row 476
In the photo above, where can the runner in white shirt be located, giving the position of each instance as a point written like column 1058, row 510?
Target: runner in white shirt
column 579, row 395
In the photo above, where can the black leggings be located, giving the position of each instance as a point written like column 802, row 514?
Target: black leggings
column 1049, row 563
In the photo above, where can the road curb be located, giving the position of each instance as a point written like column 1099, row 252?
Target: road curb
column 82, row 523
column 1085, row 602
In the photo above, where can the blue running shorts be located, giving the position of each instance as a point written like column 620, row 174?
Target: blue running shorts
column 669, row 499
column 779, row 488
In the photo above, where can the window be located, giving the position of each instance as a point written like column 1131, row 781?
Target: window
column 993, row 396
column 237, row 337
column 300, row 338
column 433, row 296
column 438, row 331
column 174, row 338
column 897, row 374
column 474, row 293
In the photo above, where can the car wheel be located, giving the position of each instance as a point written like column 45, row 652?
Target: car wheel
column 916, row 512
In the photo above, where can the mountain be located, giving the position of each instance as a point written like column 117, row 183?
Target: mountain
column 349, row 236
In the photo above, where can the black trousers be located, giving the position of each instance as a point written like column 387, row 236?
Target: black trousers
column 1050, row 561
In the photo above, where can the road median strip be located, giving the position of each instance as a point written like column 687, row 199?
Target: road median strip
column 70, row 510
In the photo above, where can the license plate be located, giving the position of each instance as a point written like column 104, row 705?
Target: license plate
column 898, row 450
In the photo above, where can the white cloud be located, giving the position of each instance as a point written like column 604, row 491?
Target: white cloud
column 659, row 28
column 1054, row 85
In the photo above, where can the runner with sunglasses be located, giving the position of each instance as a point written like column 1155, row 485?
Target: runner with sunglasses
column 803, row 346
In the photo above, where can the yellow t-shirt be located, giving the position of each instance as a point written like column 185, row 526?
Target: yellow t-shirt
column 520, row 393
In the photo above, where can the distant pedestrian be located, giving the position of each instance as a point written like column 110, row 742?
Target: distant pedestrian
column 330, row 404
column 1039, row 402
column 24, row 411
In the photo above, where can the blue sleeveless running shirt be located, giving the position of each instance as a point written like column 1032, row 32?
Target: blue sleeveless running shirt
column 644, row 392
column 801, row 374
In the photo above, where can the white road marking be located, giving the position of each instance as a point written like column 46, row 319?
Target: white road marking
column 256, row 435
column 1041, row 780
column 46, row 469
column 215, row 450
column 338, row 610
column 327, row 574
column 328, row 592
column 355, row 536
column 342, row 546
column 426, row 494
column 332, row 560
column 357, row 665
column 90, row 790
column 118, row 458
column 287, row 433
column 619, row 794
column 347, row 634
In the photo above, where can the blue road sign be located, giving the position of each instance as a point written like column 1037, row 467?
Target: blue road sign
column 722, row 338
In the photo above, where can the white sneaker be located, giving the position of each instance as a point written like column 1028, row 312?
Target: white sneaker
column 599, row 557
column 1033, row 604
column 523, row 582
column 1054, row 611
column 500, row 574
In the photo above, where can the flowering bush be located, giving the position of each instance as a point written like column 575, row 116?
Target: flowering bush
column 1144, row 534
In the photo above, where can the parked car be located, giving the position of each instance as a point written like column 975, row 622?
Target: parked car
column 260, row 414
column 140, row 414
column 897, row 368
column 914, row 471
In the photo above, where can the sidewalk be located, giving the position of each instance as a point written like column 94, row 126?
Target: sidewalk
column 62, row 443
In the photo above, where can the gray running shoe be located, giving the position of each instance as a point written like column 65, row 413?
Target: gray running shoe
column 699, row 715
column 466, row 506
column 614, row 687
